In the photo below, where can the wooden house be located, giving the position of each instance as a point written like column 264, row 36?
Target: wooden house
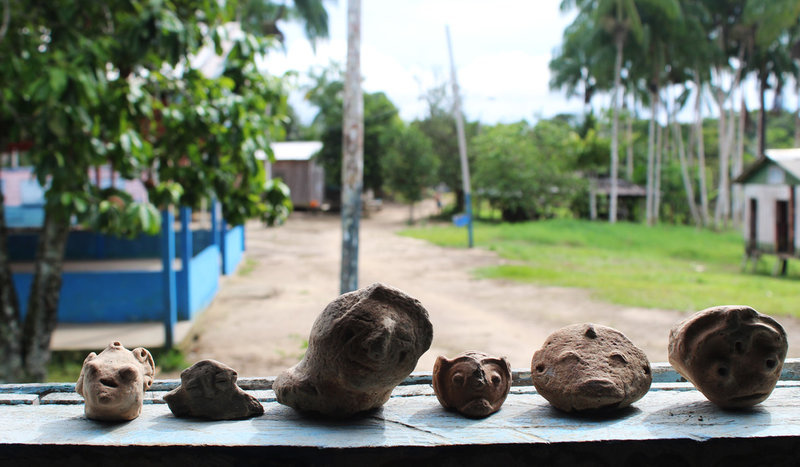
column 296, row 166
column 770, row 215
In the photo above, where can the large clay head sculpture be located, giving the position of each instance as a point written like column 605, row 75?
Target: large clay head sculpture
column 732, row 354
column 113, row 383
column 590, row 367
column 361, row 346
column 473, row 384
column 208, row 390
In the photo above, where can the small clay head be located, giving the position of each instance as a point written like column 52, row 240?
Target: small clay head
column 208, row 390
column 732, row 354
column 473, row 383
column 590, row 367
column 362, row 345
column 113, row 383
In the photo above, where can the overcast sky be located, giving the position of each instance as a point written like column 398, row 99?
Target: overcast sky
column 501, row 50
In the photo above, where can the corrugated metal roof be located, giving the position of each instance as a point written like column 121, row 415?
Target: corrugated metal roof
column 295, row 150
column 787, row 159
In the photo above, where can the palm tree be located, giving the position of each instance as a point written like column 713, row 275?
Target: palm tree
column 261, row 17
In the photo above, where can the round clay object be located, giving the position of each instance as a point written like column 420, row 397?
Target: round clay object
column 732, row 354
column 113, row 383
column 590, row 367
column 208, row 390
column 362, row 345
column 473, row 384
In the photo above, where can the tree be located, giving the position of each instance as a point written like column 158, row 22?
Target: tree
column 527, row 173
column 380, row 117
column 409, row 166
column 110, row 83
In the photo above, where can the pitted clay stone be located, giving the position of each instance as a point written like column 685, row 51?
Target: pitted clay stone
column 590, row 367
column 208, row 390
column 113, row 383
column 732, row 354
column 361, row 346
column 473, row 384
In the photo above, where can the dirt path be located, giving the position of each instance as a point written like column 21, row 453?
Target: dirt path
column 261, row 318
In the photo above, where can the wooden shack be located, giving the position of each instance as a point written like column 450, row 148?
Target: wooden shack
column 296, row 166
column 770, row 193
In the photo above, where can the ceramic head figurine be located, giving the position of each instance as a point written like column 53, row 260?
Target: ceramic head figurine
column 590, row 367
column 113, row 383
column 473, row 384
column 208, row 390
column 362, row 345
column 732, row 354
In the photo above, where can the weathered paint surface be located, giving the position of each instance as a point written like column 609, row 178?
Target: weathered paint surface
column 52, row 414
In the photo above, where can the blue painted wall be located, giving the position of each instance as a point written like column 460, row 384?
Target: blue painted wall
column 203, row 281
column 92, row 297
column 234, row 249
column 92, row 246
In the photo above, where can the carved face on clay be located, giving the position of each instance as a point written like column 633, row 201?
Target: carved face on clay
column 473, row 383
column 361, row 346
column 113, row 383
column 590, row 367
column 732, row 354
column 208, row 390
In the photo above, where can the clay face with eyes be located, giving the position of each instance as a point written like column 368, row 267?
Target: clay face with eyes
column 113, row 383
column 208, row 390
column 590, row 367
column 361, row 346
column 732, row 354
column 473, row 384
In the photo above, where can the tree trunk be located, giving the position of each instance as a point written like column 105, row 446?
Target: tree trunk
column 762, row 116
column 687, row 181
column 651, row 137
column 797, row 117
column 629, row 147
column 701, row 154
column 411, row 212
column 657, row 175
column 738, row 165
column 42, row 314
column 612, row 205
column 10, row 344
column 722, row 209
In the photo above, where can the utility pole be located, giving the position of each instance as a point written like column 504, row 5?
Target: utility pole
column 462, row 140
column 352, row 150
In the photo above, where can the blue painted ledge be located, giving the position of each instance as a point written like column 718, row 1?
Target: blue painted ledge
column 672, row 425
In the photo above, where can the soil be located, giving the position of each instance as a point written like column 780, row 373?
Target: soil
column 260, row 320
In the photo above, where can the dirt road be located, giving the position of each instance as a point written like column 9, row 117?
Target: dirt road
column 261, row 318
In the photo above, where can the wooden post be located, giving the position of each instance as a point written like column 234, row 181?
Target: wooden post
column 352, row 150
column 462, row 141
column 184, row 301
column 167, row 256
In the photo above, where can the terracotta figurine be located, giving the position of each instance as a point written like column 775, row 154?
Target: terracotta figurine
column 113, row 383
column 732, row 354
column 208, row 390
column 361, row 346
column 590, row 367
column 473, row 384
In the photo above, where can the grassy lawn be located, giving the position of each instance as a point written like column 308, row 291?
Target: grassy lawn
column 671, row 267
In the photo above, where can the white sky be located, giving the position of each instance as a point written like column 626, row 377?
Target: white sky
column 501, row 50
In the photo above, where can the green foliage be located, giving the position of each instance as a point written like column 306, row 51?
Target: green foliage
column 278, row 202
column 381, row 125
column 669, row 267
column 409, row 166
column 527, row 173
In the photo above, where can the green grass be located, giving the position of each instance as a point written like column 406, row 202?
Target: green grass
column 671, row 267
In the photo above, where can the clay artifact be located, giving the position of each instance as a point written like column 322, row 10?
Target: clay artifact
column 586, row 367
column 732, row 354
column 473, row 384
column 113, row 383
column 362, row 345
column 208, row 390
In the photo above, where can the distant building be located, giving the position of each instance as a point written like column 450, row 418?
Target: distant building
column 770, row 213
column 296, row 166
